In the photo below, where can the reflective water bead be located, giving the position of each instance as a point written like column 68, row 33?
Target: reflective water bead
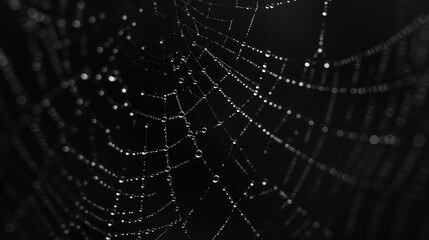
column 264, row 67
column 326, row 65
column 111, row 78
column 215, row 178
column 198, row 153
column 84, row 76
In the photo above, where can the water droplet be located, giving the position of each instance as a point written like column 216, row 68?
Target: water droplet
column 198, row 153
column 84, row 76
column 264, row 67
column 189, row 133
column 111, row 78
column 216, row 178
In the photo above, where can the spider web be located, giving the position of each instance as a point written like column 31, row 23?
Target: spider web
column 178, row 120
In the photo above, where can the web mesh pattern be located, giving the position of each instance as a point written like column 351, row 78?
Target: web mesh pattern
column 184, row 119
